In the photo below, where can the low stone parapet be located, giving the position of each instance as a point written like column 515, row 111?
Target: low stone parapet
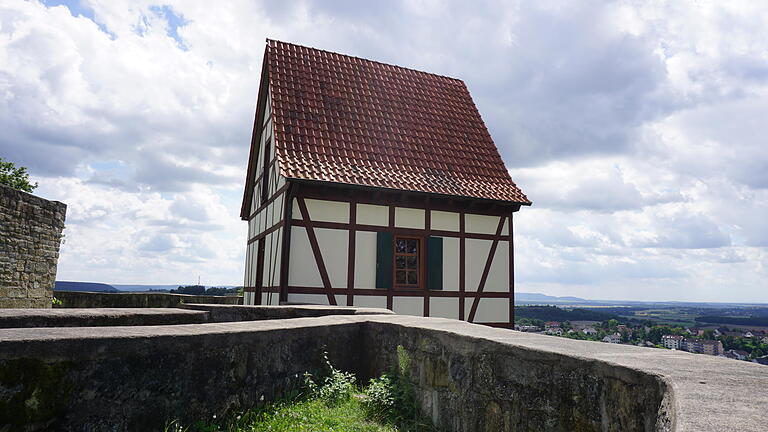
column 83, row 299
column 99, row 317
column 466, row 377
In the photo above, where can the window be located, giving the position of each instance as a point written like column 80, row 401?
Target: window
column 407, row 268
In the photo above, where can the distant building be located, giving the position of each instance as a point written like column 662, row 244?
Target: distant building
column 672, row 342
column 551, row 324
column 614, row 338
column 702, row 346
column 748, row 334
column 736, row 354
column 554, row 331
column 765, row 340
column 589, row 331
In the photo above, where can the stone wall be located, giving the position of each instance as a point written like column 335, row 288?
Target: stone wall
column 466, row 377
column 466, row 383
column 80, row 299
column 30, row 236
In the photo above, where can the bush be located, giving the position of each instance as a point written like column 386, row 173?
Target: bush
column 335, row 387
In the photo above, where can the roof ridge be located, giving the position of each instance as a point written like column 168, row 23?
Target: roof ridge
column 268, row 40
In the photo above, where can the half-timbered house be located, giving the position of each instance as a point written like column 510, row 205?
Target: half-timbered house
column 374, row 185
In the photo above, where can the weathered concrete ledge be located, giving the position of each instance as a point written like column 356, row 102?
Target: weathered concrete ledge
column 93, row 317
column 186, row 314
column 228, row 313
column 467, row 377
column 84, row 299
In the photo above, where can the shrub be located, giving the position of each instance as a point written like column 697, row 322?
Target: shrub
column 334, row 387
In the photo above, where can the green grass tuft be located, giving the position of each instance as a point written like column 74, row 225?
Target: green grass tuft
column 332, row 403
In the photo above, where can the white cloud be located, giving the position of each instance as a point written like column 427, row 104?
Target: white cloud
column 635, row 127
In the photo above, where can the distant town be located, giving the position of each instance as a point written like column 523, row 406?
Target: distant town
column 739, row 342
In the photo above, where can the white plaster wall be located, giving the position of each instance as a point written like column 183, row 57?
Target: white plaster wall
column 505, row 229
column 277, row 209
column 368, row 214
column 303, row 269
column 408, row 305
column 443, row 307
column 334, row 246
column 328, row 211
column 450, row 264
column 445, row 221
column 341, row 299
column 263, row 221
column 247, row 275
column 371, row 301
column 268, row 247
column 365, row 259
column 475, row 223
column 475, row 255
column 272, row 254
column 498, row 277
column 320, row 299
column 296, row 211
column 270, row 299
column 254, row 200
column 489, row 310
column 409, row 218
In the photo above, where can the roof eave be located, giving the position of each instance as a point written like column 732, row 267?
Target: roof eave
column 408, row 191
column 255, row 137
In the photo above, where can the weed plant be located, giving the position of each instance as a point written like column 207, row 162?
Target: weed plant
column 332, row 402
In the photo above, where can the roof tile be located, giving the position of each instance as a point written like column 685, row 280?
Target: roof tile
column 349, row 120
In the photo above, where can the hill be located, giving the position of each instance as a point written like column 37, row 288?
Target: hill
column 84, row 286
column 144, row 288
column 554, row 313
column 522, row 297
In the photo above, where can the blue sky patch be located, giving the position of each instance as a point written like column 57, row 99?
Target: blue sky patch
column 174, row 21
column 77, row 9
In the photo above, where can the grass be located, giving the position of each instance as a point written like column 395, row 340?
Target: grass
column 332, row 402
column 315, row 415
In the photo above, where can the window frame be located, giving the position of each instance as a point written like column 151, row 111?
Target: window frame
column 420, row 263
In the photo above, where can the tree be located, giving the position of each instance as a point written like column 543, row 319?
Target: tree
column 16, row 178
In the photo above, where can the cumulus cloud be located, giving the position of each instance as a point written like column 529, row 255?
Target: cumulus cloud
column 635, row 127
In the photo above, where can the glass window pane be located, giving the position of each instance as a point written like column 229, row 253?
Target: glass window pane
column 413, row 278
column 400, row 246
column 412, row 245
column 400, row 262
column 410, row 262
column 400, row 277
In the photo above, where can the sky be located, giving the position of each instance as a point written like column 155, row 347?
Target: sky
column 636, row 128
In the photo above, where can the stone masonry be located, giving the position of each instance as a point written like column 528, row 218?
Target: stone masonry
column 30, row 235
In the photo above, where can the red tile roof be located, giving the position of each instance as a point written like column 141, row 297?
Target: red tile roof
column 349, row 120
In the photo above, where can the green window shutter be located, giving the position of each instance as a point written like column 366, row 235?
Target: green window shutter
column 435, row 263
column 384, row 260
